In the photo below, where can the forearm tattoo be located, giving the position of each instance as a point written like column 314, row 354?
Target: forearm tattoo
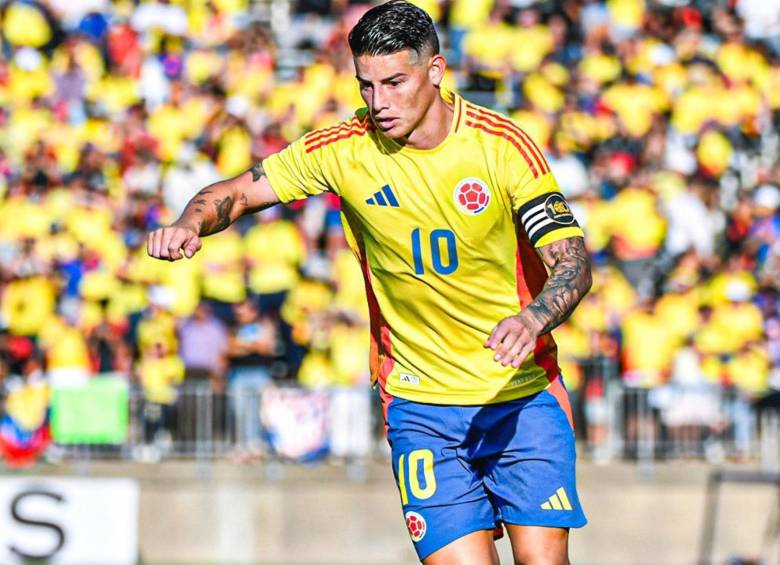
column 223, row 207
column 210, row 220
column 217, row 220
column 569, row 281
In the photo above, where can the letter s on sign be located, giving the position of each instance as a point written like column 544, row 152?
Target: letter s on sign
column 17, row 515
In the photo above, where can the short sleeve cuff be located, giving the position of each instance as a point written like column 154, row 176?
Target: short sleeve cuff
column 277, row 183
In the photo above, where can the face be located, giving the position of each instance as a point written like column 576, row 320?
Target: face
column 399, row 88
column 244, row 312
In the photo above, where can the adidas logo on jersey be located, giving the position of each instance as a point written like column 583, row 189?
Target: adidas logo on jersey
column 408, row 378
column 384, row 197
column 558, row 501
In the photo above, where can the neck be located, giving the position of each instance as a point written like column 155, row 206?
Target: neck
column 433, row 127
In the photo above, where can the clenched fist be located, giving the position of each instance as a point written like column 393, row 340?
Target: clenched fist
column 168, row 242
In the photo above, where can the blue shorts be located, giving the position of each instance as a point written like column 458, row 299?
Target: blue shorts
column 461, row 469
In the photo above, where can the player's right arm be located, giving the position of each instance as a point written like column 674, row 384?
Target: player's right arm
column 210, row 211
column 296, row 172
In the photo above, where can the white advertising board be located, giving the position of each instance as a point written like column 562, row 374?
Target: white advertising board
column 68, row 521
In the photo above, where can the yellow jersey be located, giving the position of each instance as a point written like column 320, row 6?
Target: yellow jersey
column 445, row 238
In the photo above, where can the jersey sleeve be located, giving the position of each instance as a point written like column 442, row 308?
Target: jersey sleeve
column 295, row 173
column 536, row 198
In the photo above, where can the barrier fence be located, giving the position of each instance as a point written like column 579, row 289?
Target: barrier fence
column 613, row 421
column 247, row 423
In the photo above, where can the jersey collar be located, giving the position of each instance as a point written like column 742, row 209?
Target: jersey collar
column 453, row 100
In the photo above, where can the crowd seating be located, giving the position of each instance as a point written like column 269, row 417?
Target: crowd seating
column 659, row 120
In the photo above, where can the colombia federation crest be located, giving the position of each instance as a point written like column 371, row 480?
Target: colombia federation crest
column 472, row 196
column 416, row 525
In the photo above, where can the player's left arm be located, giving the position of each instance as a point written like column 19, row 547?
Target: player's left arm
column 570, row 279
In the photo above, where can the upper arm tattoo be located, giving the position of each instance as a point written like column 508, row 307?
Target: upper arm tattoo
column 257, row 172
column 569, row 281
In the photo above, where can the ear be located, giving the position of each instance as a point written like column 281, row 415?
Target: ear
column 436, row 67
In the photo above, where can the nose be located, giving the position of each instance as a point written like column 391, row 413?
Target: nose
column 378, row 100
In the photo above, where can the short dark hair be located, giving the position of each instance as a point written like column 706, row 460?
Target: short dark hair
column 392, row 27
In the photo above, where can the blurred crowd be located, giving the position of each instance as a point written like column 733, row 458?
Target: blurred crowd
column 659, row 119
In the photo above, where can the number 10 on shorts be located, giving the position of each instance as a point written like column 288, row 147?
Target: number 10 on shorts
column 409, row 471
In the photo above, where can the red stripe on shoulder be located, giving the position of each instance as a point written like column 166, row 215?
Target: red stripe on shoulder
column 478, row 124
column 514, row 127
column 321, row 133
column 356, row 130
column 497, row 121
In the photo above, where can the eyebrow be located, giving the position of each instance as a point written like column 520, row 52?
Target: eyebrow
column 392, row 77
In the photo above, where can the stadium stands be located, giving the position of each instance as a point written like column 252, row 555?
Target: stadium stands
column 660, row 120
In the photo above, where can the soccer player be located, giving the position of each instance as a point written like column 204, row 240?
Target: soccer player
column 453, row 213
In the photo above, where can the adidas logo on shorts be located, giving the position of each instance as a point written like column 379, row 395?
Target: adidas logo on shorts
column 558, row 501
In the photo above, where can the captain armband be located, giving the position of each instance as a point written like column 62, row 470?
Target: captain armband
column 545, row 213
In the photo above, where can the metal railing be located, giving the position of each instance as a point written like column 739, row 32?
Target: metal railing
column 673, row 422
column 243, row 424
column 613, row 421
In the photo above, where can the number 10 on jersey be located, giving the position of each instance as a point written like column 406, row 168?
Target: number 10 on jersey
column 439, row 239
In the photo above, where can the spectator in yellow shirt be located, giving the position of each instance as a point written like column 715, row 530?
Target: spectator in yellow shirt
column 638, row 229
column 274, row 253
column 160, row 373
column 648, row 347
